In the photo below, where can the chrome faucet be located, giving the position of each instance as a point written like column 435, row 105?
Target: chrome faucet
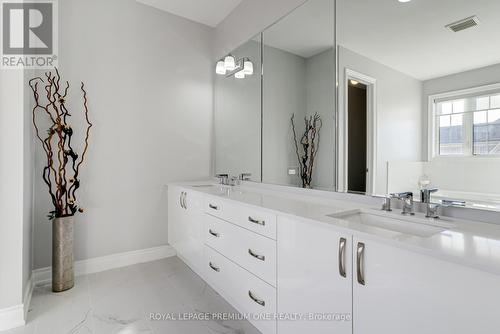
column 407, row 199
column 386, row 204
column 431, row 208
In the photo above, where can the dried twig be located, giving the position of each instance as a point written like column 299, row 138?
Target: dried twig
column 62, row 167
column 309, row 143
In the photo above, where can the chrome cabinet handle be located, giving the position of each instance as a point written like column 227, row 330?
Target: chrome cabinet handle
column 256, row 221
column 180, row 199
column 342, row 244
column 257, row 256
column 255, row 299
column 214, row 268
column 215, row 234
column 184, row 200
column 361, row 263
column 213, row 207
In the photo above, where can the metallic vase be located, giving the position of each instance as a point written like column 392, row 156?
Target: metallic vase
column 63, row 277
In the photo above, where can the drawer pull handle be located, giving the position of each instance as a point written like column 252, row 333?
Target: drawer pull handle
column 257, row 256
column 215, row 234
column 256, row 221
column 213, row 207
column 342, row 245
column 255, row 299
column 360, row 263
column 214, row 268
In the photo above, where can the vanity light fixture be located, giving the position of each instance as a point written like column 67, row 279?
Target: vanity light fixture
column 229, row 66
column 247, row 67
column 403, row 1
column 229, row 63
column 220, row 68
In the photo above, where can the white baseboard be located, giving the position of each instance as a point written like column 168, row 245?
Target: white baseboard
column 97, row 264
column 16, row 316
column 11, row 317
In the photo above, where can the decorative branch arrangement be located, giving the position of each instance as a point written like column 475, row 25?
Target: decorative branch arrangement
column 309, row 144
column 62, row 168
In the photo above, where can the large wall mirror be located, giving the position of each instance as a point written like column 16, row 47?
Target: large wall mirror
column 298, row 80
column 419, row 98
column 408, row 98
column 238, row 112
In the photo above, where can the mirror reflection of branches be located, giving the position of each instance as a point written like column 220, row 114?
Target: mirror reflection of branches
column 307, row 147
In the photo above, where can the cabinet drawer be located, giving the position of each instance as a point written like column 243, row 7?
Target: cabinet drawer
column 247, row 293
column 253, row 252
column 254, row 219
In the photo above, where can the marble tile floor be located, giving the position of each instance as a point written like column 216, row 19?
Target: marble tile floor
column 121, row 301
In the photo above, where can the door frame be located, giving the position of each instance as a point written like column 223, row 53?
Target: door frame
column 371, row 131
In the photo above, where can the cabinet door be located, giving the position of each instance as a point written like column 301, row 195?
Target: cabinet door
column 406, row 292
column 176, row 216
column 310, row 280
column 192, row 250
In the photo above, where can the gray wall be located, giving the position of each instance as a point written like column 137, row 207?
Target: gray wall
column 149, row 77
column 247, row 20
column 28, row 174
column 320, row 98
column 11, row 190
column 284, row 94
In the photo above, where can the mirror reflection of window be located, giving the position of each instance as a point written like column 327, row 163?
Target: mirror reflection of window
column 437, row 102
column 468, row 126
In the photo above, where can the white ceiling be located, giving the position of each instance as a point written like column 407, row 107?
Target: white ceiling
column 411, row 37
column 304, row 32
column 208, row 12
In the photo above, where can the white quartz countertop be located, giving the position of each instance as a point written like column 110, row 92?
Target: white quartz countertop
column 464, row 242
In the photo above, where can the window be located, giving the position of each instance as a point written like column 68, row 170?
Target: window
column 467, row 123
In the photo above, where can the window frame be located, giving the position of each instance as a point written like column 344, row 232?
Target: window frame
column 468, row 123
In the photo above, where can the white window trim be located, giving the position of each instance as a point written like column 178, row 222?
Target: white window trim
column 433, row 130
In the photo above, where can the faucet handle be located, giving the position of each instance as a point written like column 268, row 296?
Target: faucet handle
column 403, row 195
column 453, row 202
column 222, row 178
column 245, row 176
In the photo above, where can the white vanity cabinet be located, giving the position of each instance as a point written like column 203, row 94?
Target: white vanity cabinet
column 185, row 228
column 240, row 258
column 314, row 277
column 411, row 293
column 325, row 278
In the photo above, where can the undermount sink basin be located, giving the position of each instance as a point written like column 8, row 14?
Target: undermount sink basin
column 408, row 225
column 214, row 189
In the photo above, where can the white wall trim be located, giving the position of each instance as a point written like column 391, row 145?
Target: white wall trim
column 97, row 264
column 12, row 317
column 28, row 293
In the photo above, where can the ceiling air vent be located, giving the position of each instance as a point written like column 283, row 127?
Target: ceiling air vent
column 463, row 24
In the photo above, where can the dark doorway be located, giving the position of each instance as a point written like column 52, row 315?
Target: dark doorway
column 357, row 142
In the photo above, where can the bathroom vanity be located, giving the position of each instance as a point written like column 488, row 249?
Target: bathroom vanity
column 280, row 254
